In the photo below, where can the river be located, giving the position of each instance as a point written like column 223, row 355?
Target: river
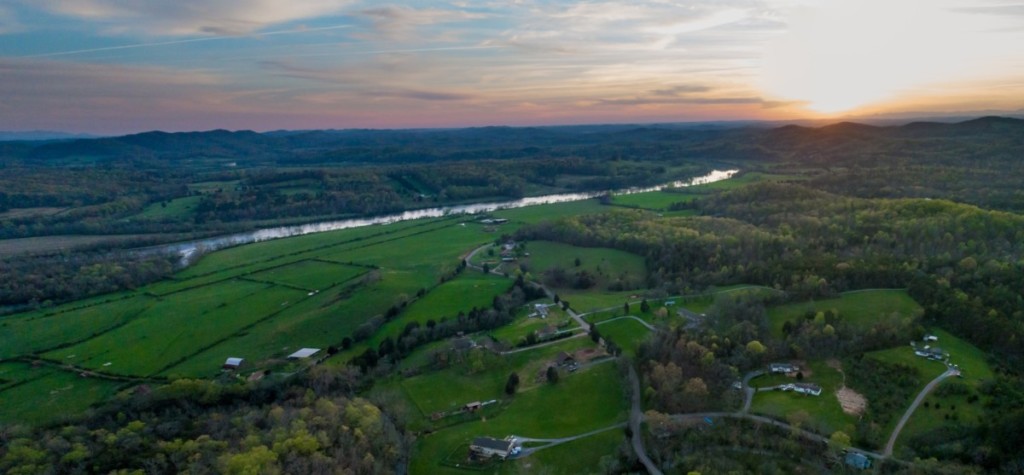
column 189, row 250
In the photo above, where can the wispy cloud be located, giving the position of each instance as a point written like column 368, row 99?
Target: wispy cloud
column 186, row 41
column 191, row 17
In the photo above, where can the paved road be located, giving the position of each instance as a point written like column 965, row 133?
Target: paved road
column 636, row 416
column 553, row 442
column 631, row 317
column 748, row 391
column 766, row 420
column 541, row 345
column 910, row 410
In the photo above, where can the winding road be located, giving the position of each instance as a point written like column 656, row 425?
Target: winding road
column 913, row 407
column 630, row 317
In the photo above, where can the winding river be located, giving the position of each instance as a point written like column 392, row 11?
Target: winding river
column 189, row 250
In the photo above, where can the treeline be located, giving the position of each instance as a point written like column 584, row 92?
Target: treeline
column 193, row 426
column 41, row 281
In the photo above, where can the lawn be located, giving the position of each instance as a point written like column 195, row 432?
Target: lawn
column 516, row 332
column 625, row 332
column 579, row 456
column 309, row 275
column 826, row 415
column 548, row 411
column 860, row 308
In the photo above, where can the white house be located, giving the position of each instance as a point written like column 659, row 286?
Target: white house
column 488, row 447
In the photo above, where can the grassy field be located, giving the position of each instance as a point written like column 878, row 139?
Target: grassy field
column 309, row 275
column 547, row 411
column 167, row 332
column 37, row 332
column 626, row 332
column 950, row 401
column 43, row 394
column 515, row 332
column 857, row 307
column 579, row 456
column 176, row 209
column 607, row 265
column 653, row 200
column 826, row 415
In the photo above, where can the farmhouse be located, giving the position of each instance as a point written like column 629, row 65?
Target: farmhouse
column 802, row 388
column 463, row 344
column 542, row 310
column 858, row 460
column 488, row 447
column 807, row 388
column 565, row 359
column 233, row 363
column 472, row 406
column 932, row 353
column 783, row 368
column 303, row 353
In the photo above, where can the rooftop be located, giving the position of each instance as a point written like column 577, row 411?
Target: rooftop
column 493, row 444
column 304, row 353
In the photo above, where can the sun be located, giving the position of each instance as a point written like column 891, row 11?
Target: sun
column 847, row 55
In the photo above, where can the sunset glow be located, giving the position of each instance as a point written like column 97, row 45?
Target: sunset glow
column 106, row 66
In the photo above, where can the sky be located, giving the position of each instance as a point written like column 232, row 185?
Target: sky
column 123, row 66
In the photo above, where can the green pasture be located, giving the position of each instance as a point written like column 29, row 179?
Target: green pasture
column 536, row 214
column 652, row 200
column 548, row 411
column 176, row 209
column 861, row 308
column 301, row 246
column 625, row 332
column 309, row 275
column 607, row 265
column 826, row 415
column 176, row 327
column 45, row 394
column 37, row 332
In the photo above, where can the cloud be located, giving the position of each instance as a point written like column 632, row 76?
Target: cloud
column 402, row 22
column 191, row 17
column 9, row 22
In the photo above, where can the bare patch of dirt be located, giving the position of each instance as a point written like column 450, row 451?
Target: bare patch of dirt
column 853, row 403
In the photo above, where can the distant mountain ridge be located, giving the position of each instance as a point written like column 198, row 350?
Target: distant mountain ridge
column 419, row 145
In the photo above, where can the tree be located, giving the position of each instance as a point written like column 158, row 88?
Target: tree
column 577, row 262
column 755, row 348
column 644, row 306
column 512, row 384
column 625, row 308
column 487, row 268
column 552, row 374
column 839, row 441
column 595, row 334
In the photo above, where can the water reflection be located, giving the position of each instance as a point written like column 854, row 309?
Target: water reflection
column 193, row 249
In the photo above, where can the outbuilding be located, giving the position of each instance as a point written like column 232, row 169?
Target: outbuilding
column 303, row 353
column 233, row 363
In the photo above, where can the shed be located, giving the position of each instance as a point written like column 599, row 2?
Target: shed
column 233, row 363
column 858, row 460
column 303, row 353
